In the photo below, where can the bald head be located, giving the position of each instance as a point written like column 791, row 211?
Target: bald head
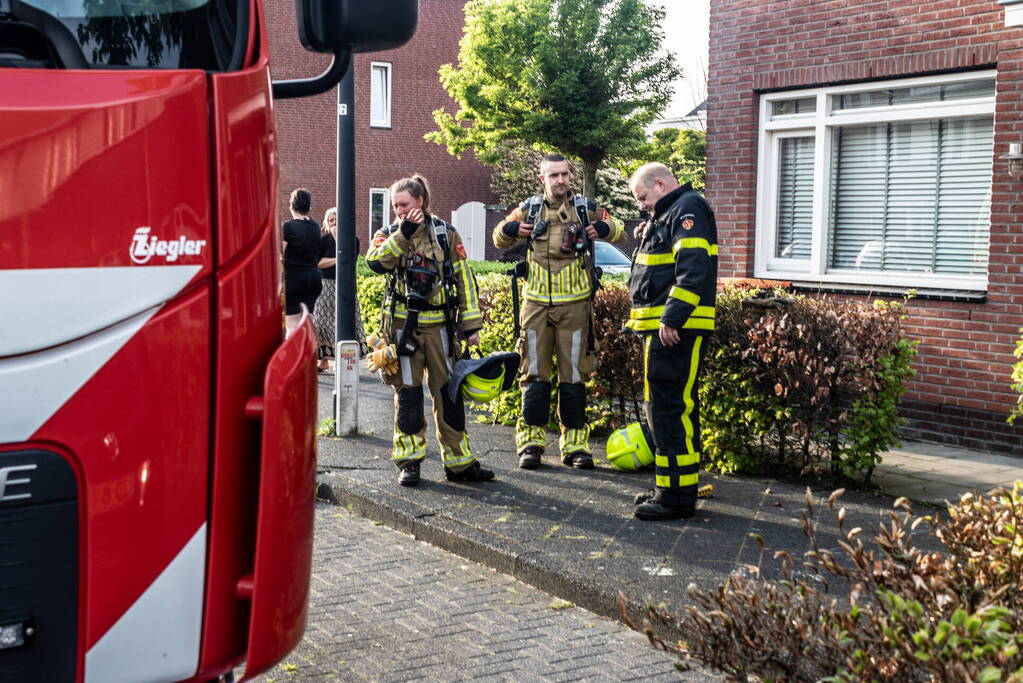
column 650, row 182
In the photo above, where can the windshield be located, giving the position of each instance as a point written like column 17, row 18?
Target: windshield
column 145, row 34
column 609, row 255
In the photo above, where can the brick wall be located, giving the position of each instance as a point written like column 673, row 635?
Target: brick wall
column 961, row 392
column 307, row 127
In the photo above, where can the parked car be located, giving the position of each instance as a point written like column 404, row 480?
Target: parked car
column 611, row 259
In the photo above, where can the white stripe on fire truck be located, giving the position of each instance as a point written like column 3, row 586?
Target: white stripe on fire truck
column 51, row 306
column 33, row 387
column 157, row 639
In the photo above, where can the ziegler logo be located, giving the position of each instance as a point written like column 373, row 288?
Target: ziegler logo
column 145, row 246
column 6, row 481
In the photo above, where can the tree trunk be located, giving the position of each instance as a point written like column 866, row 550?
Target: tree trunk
column 589, row 188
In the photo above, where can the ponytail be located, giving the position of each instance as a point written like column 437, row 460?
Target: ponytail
column 416, row 186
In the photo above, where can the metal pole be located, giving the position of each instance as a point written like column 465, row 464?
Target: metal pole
column 346, row 372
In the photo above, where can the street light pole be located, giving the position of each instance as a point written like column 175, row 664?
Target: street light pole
column 346, row 370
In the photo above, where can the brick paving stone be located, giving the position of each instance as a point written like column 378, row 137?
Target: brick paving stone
column 385, row 607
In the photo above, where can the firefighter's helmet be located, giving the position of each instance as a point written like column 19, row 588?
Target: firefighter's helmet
column 629, row 448
column 482, row 379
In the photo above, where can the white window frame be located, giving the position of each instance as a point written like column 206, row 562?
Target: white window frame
column 387, row 209
column 820, row 125
column 386, row 121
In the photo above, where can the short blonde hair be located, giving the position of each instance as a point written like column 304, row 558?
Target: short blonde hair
column 332, row 211
column 648, row 173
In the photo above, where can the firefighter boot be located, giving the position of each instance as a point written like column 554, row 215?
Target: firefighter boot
column 471, row 473
column 408, row 473
column 529, row 459
column 658, row 507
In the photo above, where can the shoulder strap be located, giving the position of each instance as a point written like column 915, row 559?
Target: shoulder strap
column 583, row 205
column 535, row 204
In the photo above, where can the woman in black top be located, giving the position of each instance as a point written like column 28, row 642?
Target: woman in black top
column 301, row 257
column 323, row 317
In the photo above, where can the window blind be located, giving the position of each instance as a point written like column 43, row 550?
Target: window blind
column 912, row 196
column 795, row 198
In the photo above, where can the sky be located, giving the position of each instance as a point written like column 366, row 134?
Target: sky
column 685, row 33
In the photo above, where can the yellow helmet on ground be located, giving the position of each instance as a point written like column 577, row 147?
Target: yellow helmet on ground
column 485, row 384
column 629, row 448
column 482, row 379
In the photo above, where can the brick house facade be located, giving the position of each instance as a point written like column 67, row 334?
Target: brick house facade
column 866, row 89
column 307, row 127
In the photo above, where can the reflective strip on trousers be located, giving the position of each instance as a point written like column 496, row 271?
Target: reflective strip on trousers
column 575, row 440
column 408, row 447
column 534, row 370
column 406, row 370
column 528, row 435
column 445, row 344
column 457, row 461
column 577, row 337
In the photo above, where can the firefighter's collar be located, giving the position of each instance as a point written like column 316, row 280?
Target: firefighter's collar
column 665, row 202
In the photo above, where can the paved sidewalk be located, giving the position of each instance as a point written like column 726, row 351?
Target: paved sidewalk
column 384, row 607
column 571, row 533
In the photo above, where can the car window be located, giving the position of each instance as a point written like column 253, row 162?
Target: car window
column 608, row 254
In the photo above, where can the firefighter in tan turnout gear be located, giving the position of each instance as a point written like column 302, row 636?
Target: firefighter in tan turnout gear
column 673, row 286
column 431, row 303
column 559, row 228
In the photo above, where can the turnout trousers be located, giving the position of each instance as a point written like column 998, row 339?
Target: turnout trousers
column 560, row 331
column 671, row 382
column 431, row 357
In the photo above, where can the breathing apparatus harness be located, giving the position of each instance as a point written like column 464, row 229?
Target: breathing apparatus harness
column 418, row 281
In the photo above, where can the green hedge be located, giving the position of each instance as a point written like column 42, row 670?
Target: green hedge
column 799, row 383
column 1017, row 379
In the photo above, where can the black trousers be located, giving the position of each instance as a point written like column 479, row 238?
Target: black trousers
column 671, row 382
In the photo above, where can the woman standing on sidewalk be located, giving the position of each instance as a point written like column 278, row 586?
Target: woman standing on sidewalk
column 301, row 256
column 431, row 306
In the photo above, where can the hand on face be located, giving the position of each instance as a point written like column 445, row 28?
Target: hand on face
column 414, row 215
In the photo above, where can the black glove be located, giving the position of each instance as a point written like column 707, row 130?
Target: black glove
column 511, row 229
column 408, row 228
column 602, row 228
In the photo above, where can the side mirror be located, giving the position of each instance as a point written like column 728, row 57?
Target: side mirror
column 361, row 25
column 343, row 27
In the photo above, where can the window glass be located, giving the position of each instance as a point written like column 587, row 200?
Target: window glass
column 378, row 210
column 795, row 198
column 380, row 95
column 150, row 34
column 912, row 196
column 801, row 105
column 916, row 94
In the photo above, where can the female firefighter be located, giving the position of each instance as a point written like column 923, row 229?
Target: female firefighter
column 431, row 304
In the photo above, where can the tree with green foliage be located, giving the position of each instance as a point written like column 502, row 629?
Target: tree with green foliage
column 683, row 151
column 516, row 176
column 583, row 77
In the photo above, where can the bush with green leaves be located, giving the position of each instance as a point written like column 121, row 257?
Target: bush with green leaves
column 1017, row 380
column 891, row 613
column 798, row 383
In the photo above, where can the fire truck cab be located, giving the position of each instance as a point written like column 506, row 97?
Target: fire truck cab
column 157, row 445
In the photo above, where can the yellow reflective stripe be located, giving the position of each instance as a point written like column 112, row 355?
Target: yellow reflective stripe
column 687, row 395
column 695, row 243
column 643, row 325
column 699, row 324
column 392, row 246
column 572, row 283
column 646, row 367
column 704, row 312
column 642, row 312
column 644, row 259
column 472, row 304
column 680, row 460
column 685, row 295
column 688, row 480
column 662, row 481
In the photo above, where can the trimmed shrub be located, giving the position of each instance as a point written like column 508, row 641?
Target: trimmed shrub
column 909, row 615
column 799, row 383
column 1017, row 380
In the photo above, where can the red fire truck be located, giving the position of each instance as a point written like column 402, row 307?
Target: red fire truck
column 157, row 450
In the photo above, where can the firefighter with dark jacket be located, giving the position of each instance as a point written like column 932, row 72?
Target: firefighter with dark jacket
column 673, row 285
column 430, row 305
column 556, row 318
